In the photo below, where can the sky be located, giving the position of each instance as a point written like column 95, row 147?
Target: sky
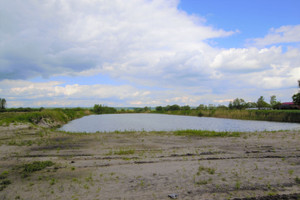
column 136, row 53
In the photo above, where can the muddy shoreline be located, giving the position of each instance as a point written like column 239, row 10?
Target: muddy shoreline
column 261, row 165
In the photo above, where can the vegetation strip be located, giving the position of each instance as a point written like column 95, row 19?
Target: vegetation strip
column 35, row 166
column 203, row 133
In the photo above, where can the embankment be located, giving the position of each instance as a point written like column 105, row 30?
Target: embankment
column 46, row 117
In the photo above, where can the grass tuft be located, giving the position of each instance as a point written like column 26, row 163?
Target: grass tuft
column 203, row 133
column 35, row 166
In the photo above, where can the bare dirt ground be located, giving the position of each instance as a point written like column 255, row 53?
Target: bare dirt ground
column 149, row 165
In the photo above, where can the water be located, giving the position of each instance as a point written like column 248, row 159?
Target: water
column 159, row 122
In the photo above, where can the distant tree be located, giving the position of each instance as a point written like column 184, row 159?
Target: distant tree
column 175, row 107
column 159, row 108
column 202, row 107
column 274, row 103
column 222, row 107
column 251, row 105
column 101, row 109
column 186, row 107
column 238, row 104
column 211, row 107
column 261, row 103
column 230, row 106
column 2, row 103
column 146, row 109
column 296, row 97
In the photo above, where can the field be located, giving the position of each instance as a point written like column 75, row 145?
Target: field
column 37, row 162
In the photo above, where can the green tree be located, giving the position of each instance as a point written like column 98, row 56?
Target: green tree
column 159, row 108
column 296, row 98
column 202, row 107
column 175, row 107
column 237, row 104
column 101, row 109
column 2, row 103
column 186, row 107
column 261, row 103
column 274, row 103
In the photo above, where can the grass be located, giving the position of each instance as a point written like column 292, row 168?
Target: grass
column 4, row 182
column 206, row 169
column 265, row 115
column 4, row 175
column 50, row 116
column 35, row 166
column 203, row 133
column 122, row 152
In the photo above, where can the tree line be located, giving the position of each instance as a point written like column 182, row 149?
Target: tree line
column 259, row 104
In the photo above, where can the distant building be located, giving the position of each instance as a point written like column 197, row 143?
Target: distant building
column 288, row 105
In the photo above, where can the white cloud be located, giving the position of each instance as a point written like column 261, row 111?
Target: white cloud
column 147, row 43
column 45, row 38
column 283, row 34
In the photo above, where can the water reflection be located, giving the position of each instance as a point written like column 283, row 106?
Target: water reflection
column 160, row 122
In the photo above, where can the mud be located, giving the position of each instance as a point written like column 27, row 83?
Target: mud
column 150, row 165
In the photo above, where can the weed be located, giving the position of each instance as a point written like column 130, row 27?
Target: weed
column 272, row 193
column 121, row 152
column 201, row 182
column 237, row 185
column 85, row 186
column 52, row 181
column 35, row 166
column 4, row 175
column 206, row 169
column 203, row 133
column 4, row 184
column 291, row 172
column 297, row 180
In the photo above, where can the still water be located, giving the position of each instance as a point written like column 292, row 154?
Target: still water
column 160, row 122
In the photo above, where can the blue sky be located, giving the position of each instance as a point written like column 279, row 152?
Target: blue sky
column 252, row 18
column 147, row 52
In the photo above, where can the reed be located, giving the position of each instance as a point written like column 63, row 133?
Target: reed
column 266, row 115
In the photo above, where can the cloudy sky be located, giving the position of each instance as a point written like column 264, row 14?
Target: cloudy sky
column 61, row 53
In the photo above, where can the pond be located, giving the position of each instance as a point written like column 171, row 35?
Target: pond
column 161, row 122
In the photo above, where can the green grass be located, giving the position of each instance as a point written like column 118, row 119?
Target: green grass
column 51, row 116
column 4, row 182
column 203, row 133
column 35, row 166
column 206, row 169
column 122, row 152
column 265, row 115
column 4, row 175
